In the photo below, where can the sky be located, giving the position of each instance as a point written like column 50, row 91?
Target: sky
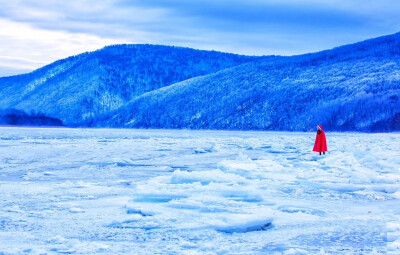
column 35, row 33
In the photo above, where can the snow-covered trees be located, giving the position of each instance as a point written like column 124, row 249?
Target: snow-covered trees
column 353, row 87
column 89, row 85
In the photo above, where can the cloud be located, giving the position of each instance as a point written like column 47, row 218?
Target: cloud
column 23, row 47
column 256, row 27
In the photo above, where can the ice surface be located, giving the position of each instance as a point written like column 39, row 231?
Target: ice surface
column 110, row 191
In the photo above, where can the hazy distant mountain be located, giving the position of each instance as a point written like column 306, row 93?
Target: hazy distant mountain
column 353, row 87
column 19, row 118
column 80, row 88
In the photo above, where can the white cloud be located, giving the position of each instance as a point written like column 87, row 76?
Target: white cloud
column 34, row 33
column 24, row 47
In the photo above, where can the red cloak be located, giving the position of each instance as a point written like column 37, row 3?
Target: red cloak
column 320, row 142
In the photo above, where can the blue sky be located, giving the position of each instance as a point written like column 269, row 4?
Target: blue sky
column 35, row 33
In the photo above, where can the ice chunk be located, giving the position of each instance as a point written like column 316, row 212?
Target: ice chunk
column 241, row 223
column 76, row 210
column 205, row 177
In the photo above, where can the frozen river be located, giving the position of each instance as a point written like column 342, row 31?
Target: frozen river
column 111, row 191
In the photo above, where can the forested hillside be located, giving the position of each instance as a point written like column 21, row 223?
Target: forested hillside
column 354, row 87
column 80, row 88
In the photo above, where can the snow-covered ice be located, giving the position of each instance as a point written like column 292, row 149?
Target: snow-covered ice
column 110, row 191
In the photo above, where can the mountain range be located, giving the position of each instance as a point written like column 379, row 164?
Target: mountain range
column 349, row 88
column 80, row 88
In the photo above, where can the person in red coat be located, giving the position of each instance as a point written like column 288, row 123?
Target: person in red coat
column 320, row 141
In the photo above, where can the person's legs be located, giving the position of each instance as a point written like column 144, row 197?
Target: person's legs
column 320, row 153
column 324, row 152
